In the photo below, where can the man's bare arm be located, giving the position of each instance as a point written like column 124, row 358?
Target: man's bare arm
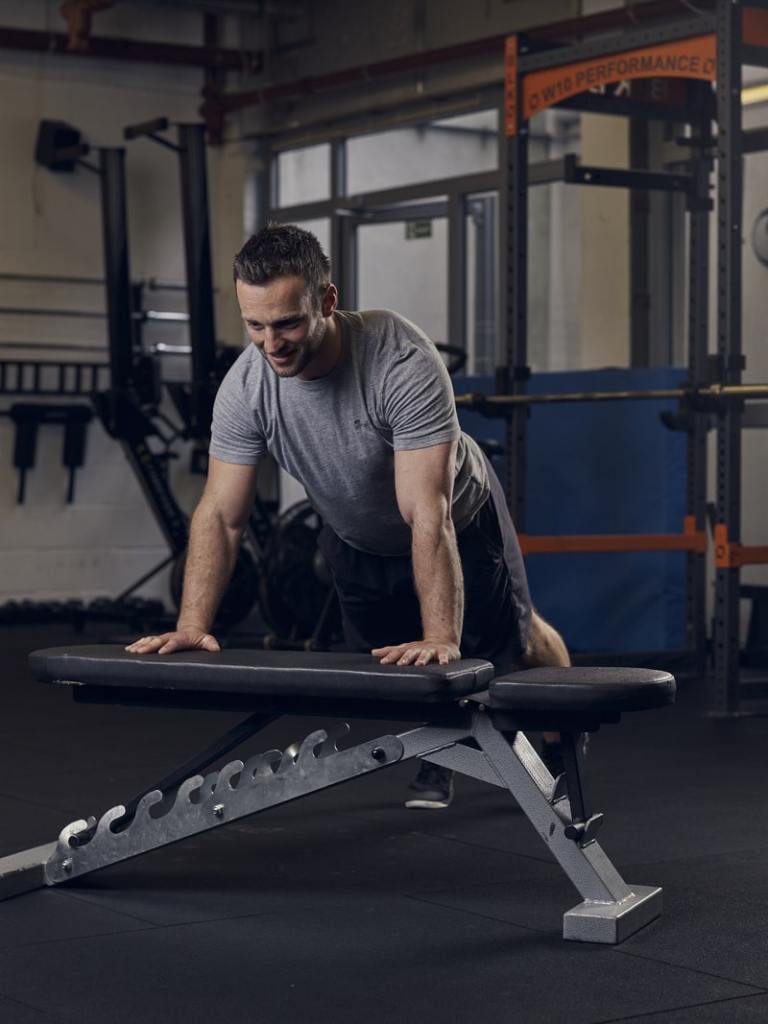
column 214, row 540
column 424, row 487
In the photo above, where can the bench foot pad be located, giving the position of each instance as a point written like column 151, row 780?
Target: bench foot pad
column 613, row 922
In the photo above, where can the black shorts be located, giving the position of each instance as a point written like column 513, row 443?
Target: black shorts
column 378, row 600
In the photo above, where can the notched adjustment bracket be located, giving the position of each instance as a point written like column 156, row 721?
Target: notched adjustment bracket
column 204, row 802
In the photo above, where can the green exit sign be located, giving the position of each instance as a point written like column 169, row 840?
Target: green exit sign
column 418, row 229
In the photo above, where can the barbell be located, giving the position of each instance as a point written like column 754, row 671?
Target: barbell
column 497, row 405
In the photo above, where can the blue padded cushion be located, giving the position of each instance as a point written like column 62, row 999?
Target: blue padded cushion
column 574, row 690
column 262, row 673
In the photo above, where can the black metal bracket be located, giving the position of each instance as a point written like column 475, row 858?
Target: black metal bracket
column 571, row 172
column 584, row 825
column 28, row 417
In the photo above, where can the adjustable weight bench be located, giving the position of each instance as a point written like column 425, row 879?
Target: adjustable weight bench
column 468, row 721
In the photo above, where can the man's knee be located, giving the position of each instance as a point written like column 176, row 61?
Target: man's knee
column 545, row 645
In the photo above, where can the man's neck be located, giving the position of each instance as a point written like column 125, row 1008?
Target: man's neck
column 329, row 354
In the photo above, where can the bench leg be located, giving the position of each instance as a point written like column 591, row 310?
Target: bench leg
column 25, row 871
column 611, row 910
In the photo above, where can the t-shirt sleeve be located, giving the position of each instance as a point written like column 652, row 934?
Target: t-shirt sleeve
column 235, row 433
column 418, row 401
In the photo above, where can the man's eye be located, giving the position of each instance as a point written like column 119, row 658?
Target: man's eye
column 256, row 327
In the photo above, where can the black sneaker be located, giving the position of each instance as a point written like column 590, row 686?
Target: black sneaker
column 433, row 787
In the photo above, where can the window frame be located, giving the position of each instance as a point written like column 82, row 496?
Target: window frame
column 446, row 197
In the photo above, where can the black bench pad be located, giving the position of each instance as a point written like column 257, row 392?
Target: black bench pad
column 262, row 673
column 576, row 690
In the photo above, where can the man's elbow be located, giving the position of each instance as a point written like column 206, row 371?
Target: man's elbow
column 434, row 523
column 212, row 514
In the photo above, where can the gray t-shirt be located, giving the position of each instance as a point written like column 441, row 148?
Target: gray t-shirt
column 337, row 435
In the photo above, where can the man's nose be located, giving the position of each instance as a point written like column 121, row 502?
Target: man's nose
column 271, row 338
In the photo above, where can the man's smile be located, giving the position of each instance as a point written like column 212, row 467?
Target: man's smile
column 283, row 357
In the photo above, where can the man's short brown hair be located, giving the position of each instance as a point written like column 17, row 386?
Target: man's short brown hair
column 282, row 250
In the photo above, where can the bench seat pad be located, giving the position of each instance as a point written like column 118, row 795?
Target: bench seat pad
column 262, row 673
column 583, row 689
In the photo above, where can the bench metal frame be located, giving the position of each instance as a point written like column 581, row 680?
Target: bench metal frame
column 467, row 736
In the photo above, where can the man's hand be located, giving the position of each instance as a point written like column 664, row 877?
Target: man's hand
column 418, row 652
column 179, row 640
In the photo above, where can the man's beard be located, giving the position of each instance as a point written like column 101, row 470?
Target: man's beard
column 308, row 350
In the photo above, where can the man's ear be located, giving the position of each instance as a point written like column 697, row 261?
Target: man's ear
column 330, row 299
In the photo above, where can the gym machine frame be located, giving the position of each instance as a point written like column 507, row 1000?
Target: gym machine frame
column 128, row 408
column 734, row 33
column 133, row 381
column 194, row 401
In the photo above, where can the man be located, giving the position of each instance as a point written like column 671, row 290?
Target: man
column 359, row 408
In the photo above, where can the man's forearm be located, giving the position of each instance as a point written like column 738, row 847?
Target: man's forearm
column 211, row 557
column 438, row 580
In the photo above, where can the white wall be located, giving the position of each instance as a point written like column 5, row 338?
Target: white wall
column 52, row 225
column 604, row 248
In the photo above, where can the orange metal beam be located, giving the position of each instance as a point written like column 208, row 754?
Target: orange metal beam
column 690, row 539
column 693, row 57
column 735, row 556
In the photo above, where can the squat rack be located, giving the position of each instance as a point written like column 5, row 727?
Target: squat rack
column 696, row 50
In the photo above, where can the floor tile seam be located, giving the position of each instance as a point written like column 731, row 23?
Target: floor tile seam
column 473, row 913
column 759, row 989
column 151, row 927
column 675, row 1009
column 84, row 901
column 10, row 950
column 758, row 849
column 462, row 842
column 47, row 1015
column 610, row 949
column 30, row 803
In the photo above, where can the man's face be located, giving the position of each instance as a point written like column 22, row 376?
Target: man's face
column 283, row 323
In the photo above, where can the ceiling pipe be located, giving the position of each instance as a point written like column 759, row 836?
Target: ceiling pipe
column 615, row 18
column 107, row 48
column 239, row 8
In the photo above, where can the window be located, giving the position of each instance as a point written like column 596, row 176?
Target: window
column 401, row 265
column 304, row 175
column 446, row 148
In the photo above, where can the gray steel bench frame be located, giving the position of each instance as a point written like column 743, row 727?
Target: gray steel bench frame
column 466, row 735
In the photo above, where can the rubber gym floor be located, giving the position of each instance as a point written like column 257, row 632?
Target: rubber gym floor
column 346, row 907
